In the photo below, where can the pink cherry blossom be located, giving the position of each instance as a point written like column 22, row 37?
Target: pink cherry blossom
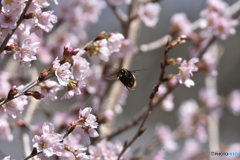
column 149, row 13
column 209, row 98
column 160, row 155
column 234, row 102
column 181, row 24
column 165, row 136
column 63, row 74
column 115, row 42
column 49, row 89
column 185, row 72
column 15, row 106
column 125, row 48
column 100, row 52
column 5, row 129
column 8, row 20
column 191, row 149
column 48, row 142
column 27, row 53
column 186, row 114
column 210, row 62
column 80, row 65
column 9, row 4
column 74, row 88
column 92, row 9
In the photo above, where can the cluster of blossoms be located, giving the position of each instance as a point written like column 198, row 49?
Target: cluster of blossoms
column 48, row 142
column 108, row 150
column 35, row 21
column 216, row 19
column 185, row 71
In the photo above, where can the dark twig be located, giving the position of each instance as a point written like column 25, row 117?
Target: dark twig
column 150, row 105
column 3, row 45
column 28, row 87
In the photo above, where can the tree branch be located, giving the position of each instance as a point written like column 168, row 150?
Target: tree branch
column 3, row 45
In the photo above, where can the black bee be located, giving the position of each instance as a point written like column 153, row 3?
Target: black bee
column 126, row 77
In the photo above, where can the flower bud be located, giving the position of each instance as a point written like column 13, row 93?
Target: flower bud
column 43, row 75
column 30, row 15
column 13, row 91
column 34, row 94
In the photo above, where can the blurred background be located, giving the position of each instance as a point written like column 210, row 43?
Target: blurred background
column 228, row 78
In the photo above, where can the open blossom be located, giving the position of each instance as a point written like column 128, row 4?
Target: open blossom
column 115, row 42
column 234, row 102
column 180, row 24
column 165, row 136
column 15, row 106
column 27, row 53
column 43, row 21
column 125, row 48
column 5, row 129
column 217, row 20
column 63, row 73
column 49, row 89
column 48, row 142
column 210, row 64
column 89, row 119
column 186, row 114
column 149, row 13
column 8, row 20
column 108, row 150
column 100, row 51
column 80, row 65
column 89, row 124
column 9, row 4
column 185, row 72
column 74, row 88
column 191, row 149
column 209, row 98
column 92, row 9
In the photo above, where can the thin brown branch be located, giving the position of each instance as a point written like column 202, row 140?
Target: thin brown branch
column 123, row 18
column 32, row 84
column 3, row 45
column 150, row 104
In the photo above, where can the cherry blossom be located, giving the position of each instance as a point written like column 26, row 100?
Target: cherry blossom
column 49, row 89
column 234, row 102
column 165, row 136
column 185, row 72
column 27, row 53
column 48, row 142
column 149, row 13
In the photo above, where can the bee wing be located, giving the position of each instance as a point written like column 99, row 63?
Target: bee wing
column 112, row 77
column 138, row 71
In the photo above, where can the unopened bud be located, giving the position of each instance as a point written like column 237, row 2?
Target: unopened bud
column 30, row 15
column 75, row 51
column 34, row 94
column 179, row 60
column 101, row 36
column 11, row 47
column 43, row 75
column 171, row 61
column 13, row 91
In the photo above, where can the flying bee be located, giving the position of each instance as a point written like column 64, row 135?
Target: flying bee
column 126, row 77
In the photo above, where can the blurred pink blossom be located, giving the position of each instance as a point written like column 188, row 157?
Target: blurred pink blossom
column 181, row 24
column 149, row 13
column 234, row 102
column 165, row 136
